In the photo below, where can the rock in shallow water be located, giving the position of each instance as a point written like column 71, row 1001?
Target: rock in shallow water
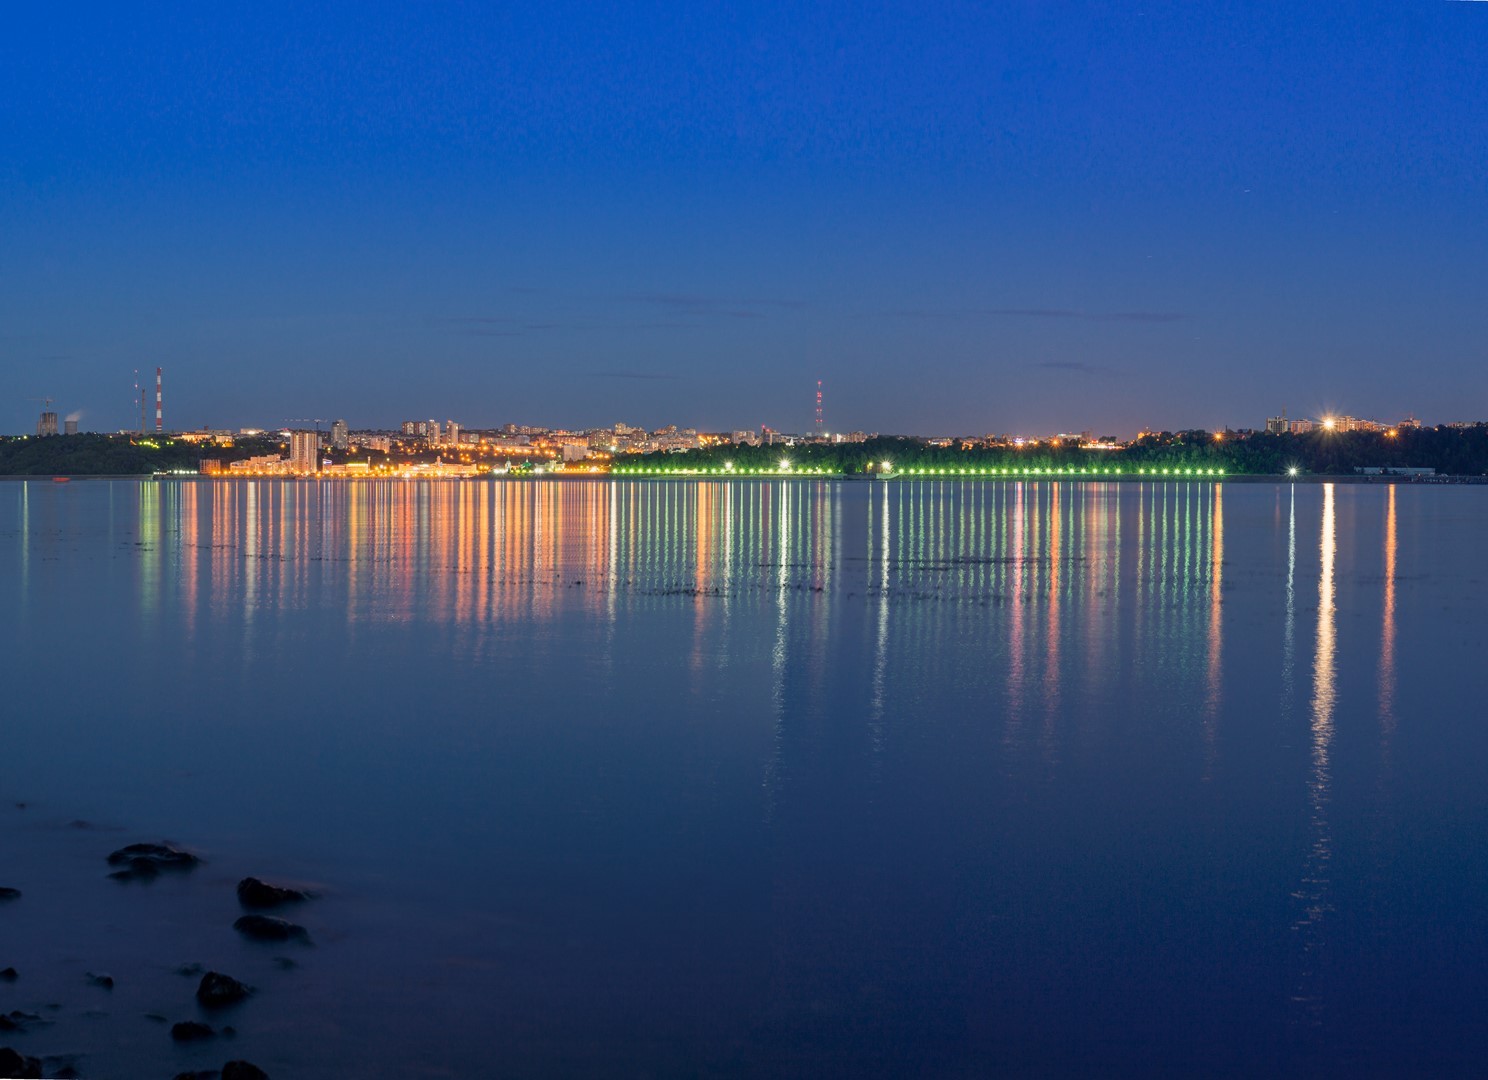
column 13, row 1063
column 15, row 1020
column 7, row 893
column 218, row 990
column 243, row 1070
column 144, row 862
column 105, row 982
column 191, row 1031
column 9, row 974
column 253, row 893
column 268, row 928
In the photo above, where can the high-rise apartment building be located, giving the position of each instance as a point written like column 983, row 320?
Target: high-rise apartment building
column 304, row 451
column 340, row 435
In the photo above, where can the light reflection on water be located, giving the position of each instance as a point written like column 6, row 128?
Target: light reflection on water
column 892, row 777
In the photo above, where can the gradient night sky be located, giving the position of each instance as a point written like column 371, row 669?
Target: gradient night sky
column 1028, row 217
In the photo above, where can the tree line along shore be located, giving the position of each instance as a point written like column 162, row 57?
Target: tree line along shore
column 1455, row 451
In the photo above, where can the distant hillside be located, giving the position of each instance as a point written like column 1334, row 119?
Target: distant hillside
column 93, row 455
column 1461, row 451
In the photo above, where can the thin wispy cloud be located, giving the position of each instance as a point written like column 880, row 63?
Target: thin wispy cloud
column 649, row 375
column 1075, row 366
column 705, row 304
column 1073, row 314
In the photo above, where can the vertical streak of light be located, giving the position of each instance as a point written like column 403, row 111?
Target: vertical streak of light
column 1214, row 668
column 778, row 653
column 250, row 565
column 1052, row 673
column 730, row 492
column 1387, row 628
column 1289, row 631
column 483, row 564
column 1018, row 562
column 881, row 635
column 703, row 515
column 188, row 552
column 149, row 545
column 1316, row 878
column 26, row 544
column 612, row 582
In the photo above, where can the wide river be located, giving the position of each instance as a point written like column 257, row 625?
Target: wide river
column 754, row 778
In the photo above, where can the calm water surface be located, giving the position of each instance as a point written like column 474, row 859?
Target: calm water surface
column 756, row 779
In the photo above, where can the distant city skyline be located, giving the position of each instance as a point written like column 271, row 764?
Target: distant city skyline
column 147, row 410
column 959, row 220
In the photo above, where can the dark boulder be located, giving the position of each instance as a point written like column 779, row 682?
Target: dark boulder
column 191, row 1031
column 7, row 893
column 268, row 928
column 9, row 974
column 198, row 1074
column 137, row 870
column 144, row 862
column 243, row 1070
column 105, row 982
column 15, row 1020
column 253, row 893
column 15, row 1064
column 218, row 990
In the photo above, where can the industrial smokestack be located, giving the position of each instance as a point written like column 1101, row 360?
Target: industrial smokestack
column 159, row 405
column 69, row 426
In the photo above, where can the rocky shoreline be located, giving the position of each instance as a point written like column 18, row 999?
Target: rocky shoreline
column 220, row 999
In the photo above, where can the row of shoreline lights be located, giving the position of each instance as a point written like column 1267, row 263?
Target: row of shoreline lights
column 786, row 469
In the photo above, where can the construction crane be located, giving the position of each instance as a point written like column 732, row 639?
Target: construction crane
column 47, row 424
column 317, row 421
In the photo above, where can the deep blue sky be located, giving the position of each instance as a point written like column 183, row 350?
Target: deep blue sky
column 1011, row 217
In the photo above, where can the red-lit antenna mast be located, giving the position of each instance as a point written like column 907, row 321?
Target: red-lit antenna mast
column 159, row 404
column 818, row 407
